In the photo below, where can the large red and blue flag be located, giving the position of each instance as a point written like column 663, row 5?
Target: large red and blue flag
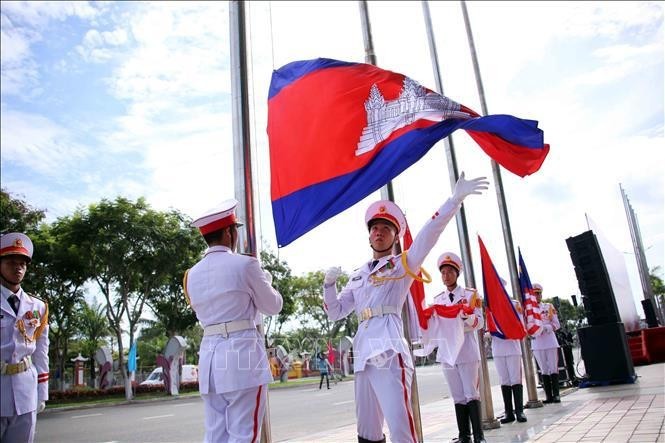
column 534, row 323
column 338, row 131
column 503, row 320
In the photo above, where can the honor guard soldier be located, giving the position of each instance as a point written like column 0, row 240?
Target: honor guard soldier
column 507, row 355
column 463, row 377
column 376, row 293
column 545, row 348
column 23, row 344
column 227, row 291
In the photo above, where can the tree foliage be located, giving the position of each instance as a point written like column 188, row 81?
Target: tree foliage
column 284, row 283
column 18, row 216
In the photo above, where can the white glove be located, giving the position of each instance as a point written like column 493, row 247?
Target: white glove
column 467, row 187
column 332, row 274
column 268, row 276
column 41, row 406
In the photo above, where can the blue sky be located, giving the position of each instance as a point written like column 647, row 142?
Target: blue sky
column 133, row 99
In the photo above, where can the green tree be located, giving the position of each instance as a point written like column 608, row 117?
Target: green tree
column 284, row 282
column 18, row 216
column 93, row 331
column 657, row 286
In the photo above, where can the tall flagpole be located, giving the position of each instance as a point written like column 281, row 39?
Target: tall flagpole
column 489, row 421
column 387, row 194
column 527, row 358
column 242, row 158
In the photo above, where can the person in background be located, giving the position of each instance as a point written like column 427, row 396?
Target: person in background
column 463, row 377
column 545, row 347
column 24, row 344
column 323, row 366
column 227, row 291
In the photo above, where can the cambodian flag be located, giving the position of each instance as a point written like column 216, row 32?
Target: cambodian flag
column 503, row 321
column 338, row 131
column 534, row 323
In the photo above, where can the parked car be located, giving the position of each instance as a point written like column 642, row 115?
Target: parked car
column 188, row 373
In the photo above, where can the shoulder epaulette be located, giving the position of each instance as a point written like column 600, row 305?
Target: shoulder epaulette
column 471, row 289
column 35, row 297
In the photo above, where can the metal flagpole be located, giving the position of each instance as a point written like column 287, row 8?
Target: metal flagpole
column 387, row 194
column 527, row 358
column 242, row 159
column 489, row 422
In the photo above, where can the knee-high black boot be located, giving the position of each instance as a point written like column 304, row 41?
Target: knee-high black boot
column 507, row 393
column 476, row 421
column 547, row 387
column 462, row 415
column 518, row 391
column 364, row 440
column 555, row 388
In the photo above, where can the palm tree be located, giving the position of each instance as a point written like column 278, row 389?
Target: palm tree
column 94, row 329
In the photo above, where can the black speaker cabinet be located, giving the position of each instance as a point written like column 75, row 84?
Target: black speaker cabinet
column 606, row 354
column 650, row 313
column 592, row 278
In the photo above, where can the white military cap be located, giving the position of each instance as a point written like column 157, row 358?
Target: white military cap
column 388, row 211
column 217, row 218
column 537, row 287
column 450, row 259
column 15, row 243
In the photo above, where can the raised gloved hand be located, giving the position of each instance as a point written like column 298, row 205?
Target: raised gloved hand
column 332, row 274
column 41, row 406
column 268, row 276
column 465, row 187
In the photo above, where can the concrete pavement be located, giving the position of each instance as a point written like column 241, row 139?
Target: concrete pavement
column 632, row 412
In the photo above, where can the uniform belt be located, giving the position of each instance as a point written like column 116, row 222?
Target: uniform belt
column 226, row 328
column 16, row 368
column 376, row 311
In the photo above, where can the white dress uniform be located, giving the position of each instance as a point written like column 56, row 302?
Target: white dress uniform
column 507, row 356
column 228, row 291
column 545, row 345
column 24, row 361
column 464, row 377
column 382, row 359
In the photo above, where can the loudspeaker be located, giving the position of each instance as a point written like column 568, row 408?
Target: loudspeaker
column 592, row 278
column 605, row 353
column 650, row 313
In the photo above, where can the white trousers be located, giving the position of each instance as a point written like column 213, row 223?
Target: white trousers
column 234, row 416
column 548, row 360
column 464, row 381
column 509, row 368
column 385, row 392
column 18, row 428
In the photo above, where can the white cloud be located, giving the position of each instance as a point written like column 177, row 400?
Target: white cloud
column 39, row 14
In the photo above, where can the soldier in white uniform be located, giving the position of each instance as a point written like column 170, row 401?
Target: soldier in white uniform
column 376, row 292
column 464, row 377
column 228, row 291
column 545, row 348
column 507, row 355
column 23, row 344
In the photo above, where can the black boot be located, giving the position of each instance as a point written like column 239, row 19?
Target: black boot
column 476, row 421
column 555, row 388
column 364, row 440
column 507, row 393
column 519, row 403
column 462, row 414
column 547, row 387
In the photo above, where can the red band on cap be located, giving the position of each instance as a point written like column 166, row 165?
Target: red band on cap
column 385, row 216
column 449, row 263
column 11, row 250
column 218, row 224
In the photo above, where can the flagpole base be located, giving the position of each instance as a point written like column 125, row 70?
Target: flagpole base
column 491, row 424
column 532, row 404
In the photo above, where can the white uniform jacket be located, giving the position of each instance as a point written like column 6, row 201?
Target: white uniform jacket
column 547, row 339
column 506, row 347
column 23, row 336
column 374, row 288
column 469, row 352
column 225, row 287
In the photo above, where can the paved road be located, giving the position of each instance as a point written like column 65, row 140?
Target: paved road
column 295, row 414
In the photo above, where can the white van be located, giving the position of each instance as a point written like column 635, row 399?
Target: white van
column 188, row 373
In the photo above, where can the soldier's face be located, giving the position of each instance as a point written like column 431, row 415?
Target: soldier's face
column 539, row 296
column 13, row 268
column 381, row 235
column 448, row 275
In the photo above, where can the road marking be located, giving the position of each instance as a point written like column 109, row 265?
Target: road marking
column 84, row 416
column 158, row 416
column 343, row 402
column 183, row 404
